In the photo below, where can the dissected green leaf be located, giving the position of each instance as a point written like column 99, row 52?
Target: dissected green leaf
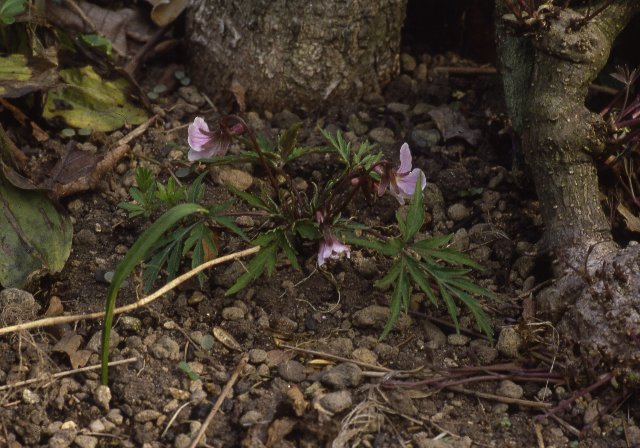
column 20, row 75
column 391, row 275
column 399, row 301
column 389, row 248
column 88, row 101
column 307, row 229
column 264, row 260
column 478, row 313
column 35, row 235
column 420, row 279
column 288, row 249
column 249, row 198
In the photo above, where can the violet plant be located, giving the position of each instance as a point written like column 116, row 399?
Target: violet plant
column 298, row 223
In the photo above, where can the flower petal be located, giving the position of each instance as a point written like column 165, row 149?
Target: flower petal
column 321, row 253
column 338, row 248
column 197, row 154
column 332, row 250
column 198, row 134
column 405, row 159
column 407, row 183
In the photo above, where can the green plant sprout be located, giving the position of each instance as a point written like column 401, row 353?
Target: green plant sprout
column 294, row 220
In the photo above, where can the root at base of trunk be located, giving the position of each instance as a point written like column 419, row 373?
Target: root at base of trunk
column 597, row 314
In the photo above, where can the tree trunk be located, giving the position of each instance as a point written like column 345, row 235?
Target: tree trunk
column 546, row 75
column 296, row 54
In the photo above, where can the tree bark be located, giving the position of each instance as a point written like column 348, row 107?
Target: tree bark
column 296, row 54
column 546, row 74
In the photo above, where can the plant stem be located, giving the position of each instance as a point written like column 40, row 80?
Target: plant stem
column 256, row 148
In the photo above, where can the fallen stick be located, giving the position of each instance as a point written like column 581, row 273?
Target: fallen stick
column 47, row 322
column 55, row 376
column 501, row 399
column 218, row 404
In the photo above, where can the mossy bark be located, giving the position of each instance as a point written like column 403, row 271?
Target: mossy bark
column 546, row 75
column 294, row 54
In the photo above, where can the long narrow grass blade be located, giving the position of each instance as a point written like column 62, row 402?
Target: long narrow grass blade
column 137, row 252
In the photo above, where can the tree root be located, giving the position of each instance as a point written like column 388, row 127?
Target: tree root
column 597, row 312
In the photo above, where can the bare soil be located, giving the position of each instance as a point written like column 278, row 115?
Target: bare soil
column 298, row 398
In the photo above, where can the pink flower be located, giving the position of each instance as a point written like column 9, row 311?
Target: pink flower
column 402, row 181
column 205, row 143
column 332, row 249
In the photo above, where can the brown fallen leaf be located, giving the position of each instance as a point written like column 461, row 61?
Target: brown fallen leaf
column 90, row 18
column 80, row 358
column 278, row 430
column 239, row 93
column 69, row 343
column 452, row 124
column 298, row 402
column 55, row 307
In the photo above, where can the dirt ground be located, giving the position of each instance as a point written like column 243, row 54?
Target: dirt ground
column 317, row 374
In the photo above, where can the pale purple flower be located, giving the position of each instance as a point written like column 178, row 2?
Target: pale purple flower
column 332, row 249
column 402, row 181
column 205, row 143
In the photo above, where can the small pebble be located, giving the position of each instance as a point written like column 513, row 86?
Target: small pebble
column 342, row 376
column 102, row 396
column 147, row 415
column 457, row 339
column 336, row 401
column 251, row 418
column 363, row 354
column 508, row 388
column 84, row 441
column 257, row 356
column 509, row 342
column 232, row 313
column 292, row 371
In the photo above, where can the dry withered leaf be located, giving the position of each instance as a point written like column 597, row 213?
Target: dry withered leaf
column 55, row 307
column 72, row 166
column 297, row 400
column 20, row 75
column 239, row 93
column 69, row 343
column 278, row 430
column 80, row 358
column 452, row 124
column 226, row 339
column 93, row 19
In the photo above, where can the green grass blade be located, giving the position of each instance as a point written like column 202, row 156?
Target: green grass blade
column 137, row 253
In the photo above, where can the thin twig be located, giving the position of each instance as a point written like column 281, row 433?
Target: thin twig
column 218, row 404
column 142, row 302
column 501, row 399
column 336, row 358
column 538, row 430
column 65, row 373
